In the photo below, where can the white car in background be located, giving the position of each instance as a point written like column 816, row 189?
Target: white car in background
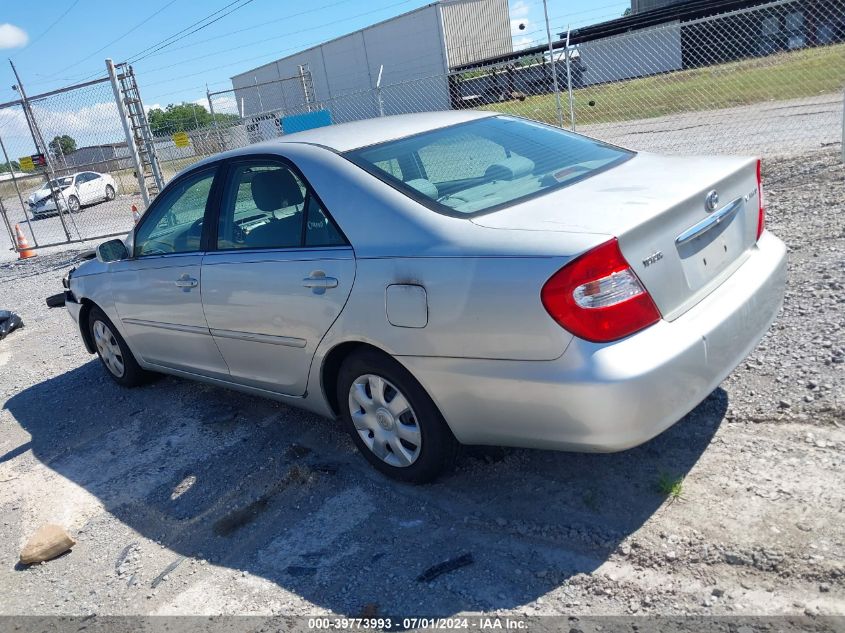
column 77, row 190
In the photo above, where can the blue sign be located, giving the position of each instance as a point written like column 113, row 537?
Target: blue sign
column 307, row 121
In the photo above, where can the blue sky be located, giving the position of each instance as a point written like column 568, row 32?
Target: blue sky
column 57, row 42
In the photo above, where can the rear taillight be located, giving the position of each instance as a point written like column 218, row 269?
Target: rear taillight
column 598, row 297
column 761, row 212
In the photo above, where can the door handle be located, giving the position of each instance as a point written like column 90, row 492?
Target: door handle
column 186, row 281
column 319, row 282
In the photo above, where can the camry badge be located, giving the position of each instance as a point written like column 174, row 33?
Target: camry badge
column 711, row 201
column 656, row 256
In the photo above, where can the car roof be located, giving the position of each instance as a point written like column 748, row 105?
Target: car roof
column 344, row 137
column 348, row 136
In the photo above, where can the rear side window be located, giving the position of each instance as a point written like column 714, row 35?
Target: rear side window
column 267, row 205
column 485, row 165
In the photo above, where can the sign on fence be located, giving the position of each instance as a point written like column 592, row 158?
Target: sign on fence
column 181, row 139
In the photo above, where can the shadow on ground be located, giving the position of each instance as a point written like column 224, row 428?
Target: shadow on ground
column 256, row 486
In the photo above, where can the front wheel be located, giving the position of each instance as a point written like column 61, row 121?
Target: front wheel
column 392, row 420
column 109, row 192
column 113, row 351
column 73, row 204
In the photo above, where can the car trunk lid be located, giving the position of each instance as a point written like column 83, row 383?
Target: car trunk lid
column 680, row 246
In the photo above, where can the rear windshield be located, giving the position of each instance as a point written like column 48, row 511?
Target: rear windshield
column 487, row 164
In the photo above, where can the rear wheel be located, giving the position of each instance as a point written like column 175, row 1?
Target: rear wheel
column 109, row 192
column 392, row 420
column 73, row 204
column 113, row 351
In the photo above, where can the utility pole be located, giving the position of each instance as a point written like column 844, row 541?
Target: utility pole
column 55, row 192
column 19, row 88
column 552, row 59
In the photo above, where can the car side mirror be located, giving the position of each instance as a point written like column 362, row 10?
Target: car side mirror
column 112, row 251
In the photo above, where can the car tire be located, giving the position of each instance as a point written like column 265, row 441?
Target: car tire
column 113, row 351
column 406, row 439
column 109, row 193
column 73, row 204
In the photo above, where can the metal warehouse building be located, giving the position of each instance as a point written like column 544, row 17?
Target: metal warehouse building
column 340, row 74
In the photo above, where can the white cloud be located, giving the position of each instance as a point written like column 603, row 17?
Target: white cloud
column 223, row 104
column 12, row 36
column 520, row 43
column 92, row 124
column 89, row 125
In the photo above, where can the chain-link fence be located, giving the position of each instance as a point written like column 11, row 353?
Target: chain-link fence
column 763, row 80
column 67, row 171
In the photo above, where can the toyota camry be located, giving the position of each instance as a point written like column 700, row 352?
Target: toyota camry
column 433, row 280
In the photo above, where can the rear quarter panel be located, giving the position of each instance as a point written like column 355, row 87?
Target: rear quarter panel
column 478, row 307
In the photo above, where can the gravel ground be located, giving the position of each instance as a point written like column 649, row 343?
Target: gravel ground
column 188, row 499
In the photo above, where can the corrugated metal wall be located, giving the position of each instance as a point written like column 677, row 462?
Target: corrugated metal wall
column 475, row 30
column 410, row 46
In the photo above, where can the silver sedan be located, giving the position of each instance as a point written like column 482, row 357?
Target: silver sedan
column 443, row 279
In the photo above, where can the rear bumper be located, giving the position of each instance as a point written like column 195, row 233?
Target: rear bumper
column 609, row 397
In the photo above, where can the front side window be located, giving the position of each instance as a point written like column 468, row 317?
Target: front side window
column 174, row 224
column 267, row 205
column 487, row 164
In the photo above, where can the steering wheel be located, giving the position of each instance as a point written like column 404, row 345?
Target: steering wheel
column 156, row 247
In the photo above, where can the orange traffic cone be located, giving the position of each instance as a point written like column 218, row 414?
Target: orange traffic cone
column 135, row 215
column 24, row 252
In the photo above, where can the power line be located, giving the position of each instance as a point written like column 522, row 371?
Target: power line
column 275, row 53
column 253, row 27
column 182, row 34
column 55, row 22
column 185, row 32
column 117, row 39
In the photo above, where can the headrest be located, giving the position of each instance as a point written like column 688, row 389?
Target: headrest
column 425, row 187
column 510, row 168
column 274, row 190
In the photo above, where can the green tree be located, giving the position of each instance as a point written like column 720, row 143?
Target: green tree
column 182, row 117
column 62, row 145
column 626, row 12
column 4, row 167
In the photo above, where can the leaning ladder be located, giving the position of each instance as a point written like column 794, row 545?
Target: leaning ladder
column 140, row 129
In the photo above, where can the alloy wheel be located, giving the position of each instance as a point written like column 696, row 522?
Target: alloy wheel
column 108, row 348
column 385, row 420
